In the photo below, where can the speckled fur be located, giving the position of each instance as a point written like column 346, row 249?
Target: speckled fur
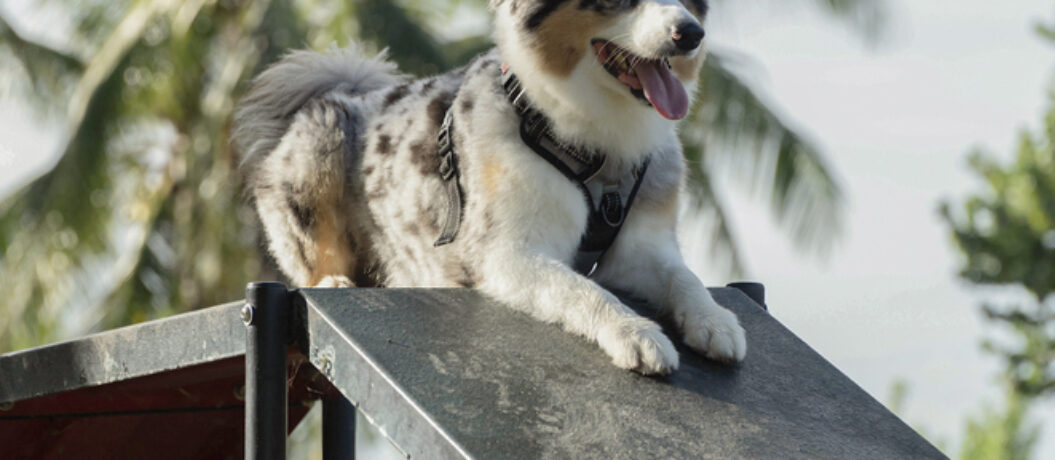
column 341, row 160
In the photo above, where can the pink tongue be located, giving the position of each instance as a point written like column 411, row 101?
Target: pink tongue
column 665, row 92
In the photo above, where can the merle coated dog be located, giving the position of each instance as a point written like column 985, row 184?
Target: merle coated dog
column 499, row 175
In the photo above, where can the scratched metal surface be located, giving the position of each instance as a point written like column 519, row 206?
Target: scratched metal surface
column 445, row 373
column 178, row 342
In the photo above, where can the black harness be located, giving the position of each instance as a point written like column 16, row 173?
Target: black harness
column 609, row 201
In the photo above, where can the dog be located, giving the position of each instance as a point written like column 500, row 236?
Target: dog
column 499, row 175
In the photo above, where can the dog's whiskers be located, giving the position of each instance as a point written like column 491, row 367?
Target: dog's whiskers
column 622, row 59
column 614, row 55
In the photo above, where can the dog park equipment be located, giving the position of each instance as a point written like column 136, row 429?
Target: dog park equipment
column 442, row 373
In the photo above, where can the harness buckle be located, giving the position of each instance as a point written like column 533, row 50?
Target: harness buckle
column 611, row 208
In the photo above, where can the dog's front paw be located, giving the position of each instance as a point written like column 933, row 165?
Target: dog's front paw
column 638, row 344
column 716, row 333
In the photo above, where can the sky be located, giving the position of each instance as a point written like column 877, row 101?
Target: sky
column 896, row 120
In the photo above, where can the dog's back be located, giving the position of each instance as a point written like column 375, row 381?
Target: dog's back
column 340, row 157
column 298, row 132
column 277, row 94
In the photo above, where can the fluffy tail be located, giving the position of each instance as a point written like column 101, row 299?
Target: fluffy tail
column 265, row 113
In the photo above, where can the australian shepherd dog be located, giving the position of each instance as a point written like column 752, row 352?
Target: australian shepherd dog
column 350, row 165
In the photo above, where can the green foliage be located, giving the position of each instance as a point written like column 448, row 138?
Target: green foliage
column 142, row 215
column 1007, row 234
column 1001, row 434
column 45, row 70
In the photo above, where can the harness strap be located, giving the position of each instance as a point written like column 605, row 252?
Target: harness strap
column 608, row 202
column 449, row 174
column 604, row 225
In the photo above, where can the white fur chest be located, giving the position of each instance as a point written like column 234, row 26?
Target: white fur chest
column 519, row 194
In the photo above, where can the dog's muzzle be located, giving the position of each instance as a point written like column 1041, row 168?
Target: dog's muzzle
column 687, row 36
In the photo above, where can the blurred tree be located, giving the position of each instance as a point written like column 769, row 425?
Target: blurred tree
column 1007, row 234
column 142, row 216
column 1001, row 434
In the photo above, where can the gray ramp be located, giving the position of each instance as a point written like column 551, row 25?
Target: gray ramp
column 445, row 373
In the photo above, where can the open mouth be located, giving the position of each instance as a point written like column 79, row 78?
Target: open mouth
column 650, row 80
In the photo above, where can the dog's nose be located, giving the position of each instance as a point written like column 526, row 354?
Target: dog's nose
column 687, row 36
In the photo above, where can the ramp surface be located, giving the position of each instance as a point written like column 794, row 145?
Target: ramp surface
column 445, row 372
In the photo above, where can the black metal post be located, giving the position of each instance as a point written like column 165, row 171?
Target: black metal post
column 756, row 291
column 338, row 429
column 266, row 316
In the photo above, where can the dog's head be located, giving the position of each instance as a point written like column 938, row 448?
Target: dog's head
column 644, row 52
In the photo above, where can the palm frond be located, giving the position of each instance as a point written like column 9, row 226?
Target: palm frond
column 870, row 15
column 75, row 234
column 738, row 133
column 707, row 208
column 409, row 43
column 48, row 71
column 143, row 211
column 868, row 18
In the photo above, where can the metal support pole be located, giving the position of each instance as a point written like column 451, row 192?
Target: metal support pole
column 338, row 429
column 266, row 316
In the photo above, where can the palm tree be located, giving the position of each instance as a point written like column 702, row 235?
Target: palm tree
column 141, row 217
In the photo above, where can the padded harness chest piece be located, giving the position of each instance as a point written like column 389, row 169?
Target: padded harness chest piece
column 608, row 201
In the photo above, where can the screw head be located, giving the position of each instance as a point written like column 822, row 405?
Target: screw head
column 247, row 314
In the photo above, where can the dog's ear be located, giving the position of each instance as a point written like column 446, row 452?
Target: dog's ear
column 494, row 4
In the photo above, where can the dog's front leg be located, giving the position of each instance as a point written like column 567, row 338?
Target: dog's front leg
column 551, row 291
column 647, row 262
